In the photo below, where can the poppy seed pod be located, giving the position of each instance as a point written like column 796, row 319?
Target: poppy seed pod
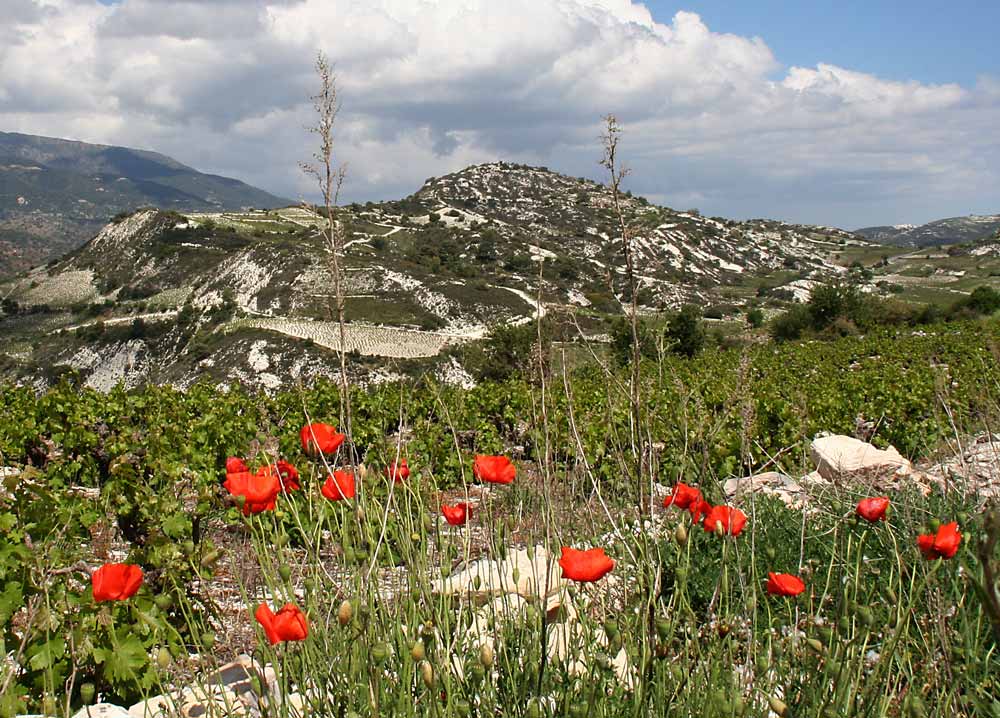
column 427, row 674
column 417, row 651
column 777, row 705
column 345, row 612
column 486, row 655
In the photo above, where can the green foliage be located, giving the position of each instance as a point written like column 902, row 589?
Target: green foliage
column 838, row 300
column 685, row 331
column 622, row 344
column 983, row 300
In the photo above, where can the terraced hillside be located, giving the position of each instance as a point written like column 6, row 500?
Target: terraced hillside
column 169, row 296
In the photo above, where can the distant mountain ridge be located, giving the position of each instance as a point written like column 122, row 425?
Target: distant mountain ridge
column 56, row 193
column 952, row 230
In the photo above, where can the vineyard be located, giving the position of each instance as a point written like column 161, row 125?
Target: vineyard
column 353, row 594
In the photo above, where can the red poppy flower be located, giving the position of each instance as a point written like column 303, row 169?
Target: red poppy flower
column 873, row 509
column 115, row 581
column 398, row 471
column 235, row 465
column 943, row 544
column 683, row 497
column 458, row 514
column 784, row 584
column 732, row 520
column 320, row 439
column 288, row 624
column 699, row 509
column 289, row 476
column 585, row 566
column 259, row 490
column 494, row 469
column 339, row 485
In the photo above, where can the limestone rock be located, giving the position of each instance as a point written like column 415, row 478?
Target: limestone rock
column 102, row 710
column 155, row 707
column 518, row 574
column 837, row 456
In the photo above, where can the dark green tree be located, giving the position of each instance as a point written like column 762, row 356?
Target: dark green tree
column 686, row 331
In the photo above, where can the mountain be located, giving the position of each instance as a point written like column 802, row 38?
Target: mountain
column 247, row 296
column 953, row 230
column 55, row 194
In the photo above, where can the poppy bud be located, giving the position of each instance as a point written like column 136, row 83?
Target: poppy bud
column 777, row 705
column 462, row 707
column 163, row 601
column 87, row 693
column 866, row 617
column 11, row 481
column 417, row 651
column 844, row 624
column 208, row 639
column 380, row 651
column 476, row 582
column 916, row 707
column 309, row 584
column 681, row 534
column 662, row 627
column 534, row 709
column 770, row 553
column 816, row 646
column 486, row 655
column 415, row 537
column 531, row 614
column 163, row 657
column 345, row 612
column 427, row 674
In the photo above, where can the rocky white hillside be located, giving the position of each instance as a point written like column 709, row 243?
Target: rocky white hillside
column 168, row 296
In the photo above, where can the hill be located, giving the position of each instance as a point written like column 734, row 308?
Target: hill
column 55, row 194
column 953, row 230
column 247, row 296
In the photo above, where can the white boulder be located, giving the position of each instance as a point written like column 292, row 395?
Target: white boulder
column 837, row 455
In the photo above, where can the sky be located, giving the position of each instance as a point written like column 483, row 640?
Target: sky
column 845, row 113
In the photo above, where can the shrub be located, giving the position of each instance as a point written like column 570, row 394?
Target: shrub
column 755, row 318
column 621, row 341
column 792, row 324
column 686, row 331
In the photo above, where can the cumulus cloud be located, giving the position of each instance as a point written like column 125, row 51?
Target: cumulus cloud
column 428, row 86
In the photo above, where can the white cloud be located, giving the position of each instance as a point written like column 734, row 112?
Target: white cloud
column 431, row 85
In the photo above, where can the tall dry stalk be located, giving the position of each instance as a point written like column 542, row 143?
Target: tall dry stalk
column 617, row 173
column 330, row 176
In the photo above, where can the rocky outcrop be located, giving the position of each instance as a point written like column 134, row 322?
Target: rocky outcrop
column 837, row 456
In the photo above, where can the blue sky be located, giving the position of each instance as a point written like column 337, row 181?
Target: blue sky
column 934, row 42
column 842, row 113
